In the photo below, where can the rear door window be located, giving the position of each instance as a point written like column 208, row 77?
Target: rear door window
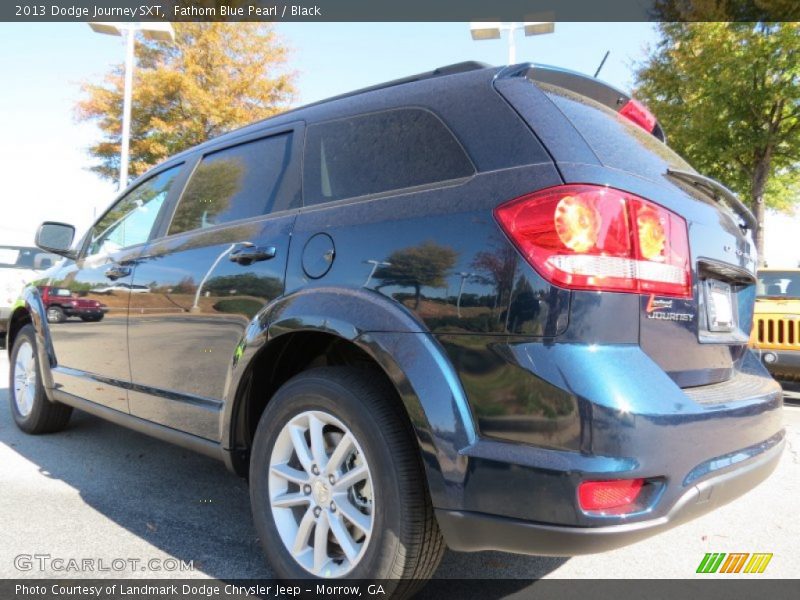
column 380, row 152
column 235, row 183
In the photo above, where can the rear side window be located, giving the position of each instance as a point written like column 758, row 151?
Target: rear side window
column 380, row 152
column 235, row 183
column 616, row 142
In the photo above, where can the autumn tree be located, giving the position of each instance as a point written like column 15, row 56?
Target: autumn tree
column 213, row 78
column 728, row 95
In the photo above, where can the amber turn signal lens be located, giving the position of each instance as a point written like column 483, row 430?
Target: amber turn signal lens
column 652, row 237
column 577, row 223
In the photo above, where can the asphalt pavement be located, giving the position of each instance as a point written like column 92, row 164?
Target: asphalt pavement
column 100, row 492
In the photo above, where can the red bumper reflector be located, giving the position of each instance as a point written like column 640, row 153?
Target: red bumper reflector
column 596, row 496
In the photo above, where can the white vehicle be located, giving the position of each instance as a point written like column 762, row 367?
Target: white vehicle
column 18, row 266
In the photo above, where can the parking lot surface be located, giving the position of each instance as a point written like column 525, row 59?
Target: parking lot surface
column 98, row 491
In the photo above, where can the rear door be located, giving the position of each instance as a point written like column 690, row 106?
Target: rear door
column 221, row 258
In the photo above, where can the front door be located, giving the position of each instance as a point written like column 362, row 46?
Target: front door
column 222, row 259
column 92, row 355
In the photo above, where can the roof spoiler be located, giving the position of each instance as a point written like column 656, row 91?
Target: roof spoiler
column 718, row 192
column 593, row 88
column 462, row 67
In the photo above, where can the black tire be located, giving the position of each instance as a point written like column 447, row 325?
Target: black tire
column 93, row 319
column 55, row 314
column 406, row 544
column 44, row 416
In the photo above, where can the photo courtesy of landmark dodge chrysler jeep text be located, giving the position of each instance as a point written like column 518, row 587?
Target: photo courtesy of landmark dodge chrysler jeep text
column 483, row 308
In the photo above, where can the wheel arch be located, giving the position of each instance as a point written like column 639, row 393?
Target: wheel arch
column 362, row 327
column 29, row 309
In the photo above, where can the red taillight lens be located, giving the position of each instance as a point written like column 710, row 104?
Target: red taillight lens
column 599, row 496
column 598, row 238
column 638, row 113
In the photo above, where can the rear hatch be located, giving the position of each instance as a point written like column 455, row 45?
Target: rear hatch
column 699, row 340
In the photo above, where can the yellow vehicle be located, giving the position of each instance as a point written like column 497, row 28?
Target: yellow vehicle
column 776, row 322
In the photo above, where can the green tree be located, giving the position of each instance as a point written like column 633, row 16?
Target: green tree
column 214, row 78
column 424, row 265
column 728, row 95
column 245, row 284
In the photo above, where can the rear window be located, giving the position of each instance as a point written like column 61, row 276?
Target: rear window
column 380, row 152
column 618, row 143
column 20, row 257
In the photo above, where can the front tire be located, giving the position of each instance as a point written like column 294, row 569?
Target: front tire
column 337, row 485
column 32, row 411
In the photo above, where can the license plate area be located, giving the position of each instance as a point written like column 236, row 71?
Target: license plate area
column 720, row 309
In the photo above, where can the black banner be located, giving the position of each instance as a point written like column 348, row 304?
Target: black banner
column 400, row 10
column 712, row 588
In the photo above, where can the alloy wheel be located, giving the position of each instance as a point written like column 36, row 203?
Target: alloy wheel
column 321, row 494
column 24, row 379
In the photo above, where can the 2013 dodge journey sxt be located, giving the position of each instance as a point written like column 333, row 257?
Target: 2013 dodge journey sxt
column 483, row 308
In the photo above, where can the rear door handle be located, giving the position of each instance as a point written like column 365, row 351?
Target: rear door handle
column 117, row 272
column 250, row 254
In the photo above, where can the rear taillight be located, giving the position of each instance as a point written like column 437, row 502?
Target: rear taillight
column 637, row 113
column 615, row 495
column 597, row 238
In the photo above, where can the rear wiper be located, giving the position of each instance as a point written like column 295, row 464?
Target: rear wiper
column 717, row 191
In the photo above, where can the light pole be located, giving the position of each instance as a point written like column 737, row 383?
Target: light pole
column 155, row 31
column 493, row 31
column 464, row 276
column 375, row 264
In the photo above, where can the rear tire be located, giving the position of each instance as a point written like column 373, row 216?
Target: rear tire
column 55, row 314
column 390, row 498
column 92, row 319
column 32, row 411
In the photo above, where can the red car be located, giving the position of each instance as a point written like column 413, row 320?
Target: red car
column 61, row 304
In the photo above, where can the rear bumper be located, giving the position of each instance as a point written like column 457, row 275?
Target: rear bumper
column 782, row 364
column 83, row 312
column 467, row 531
column 590, row 413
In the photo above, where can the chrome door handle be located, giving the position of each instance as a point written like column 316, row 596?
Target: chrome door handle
column 250, row 254
column 117, row 272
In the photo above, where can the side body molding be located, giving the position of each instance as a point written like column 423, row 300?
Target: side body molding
column 30, row 302
column 414, row 361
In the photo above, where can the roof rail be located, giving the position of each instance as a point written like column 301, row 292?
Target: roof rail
column 585, row 85
column 462, row 67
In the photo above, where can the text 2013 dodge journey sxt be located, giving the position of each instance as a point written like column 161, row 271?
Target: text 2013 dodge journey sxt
column 483, row 308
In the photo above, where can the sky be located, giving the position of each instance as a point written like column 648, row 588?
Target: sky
column 43, row 158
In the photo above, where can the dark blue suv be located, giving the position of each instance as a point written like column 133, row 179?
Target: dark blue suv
column 483, row 308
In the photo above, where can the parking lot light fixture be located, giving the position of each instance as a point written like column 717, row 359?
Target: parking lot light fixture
column 493, row 30
column 160, row 31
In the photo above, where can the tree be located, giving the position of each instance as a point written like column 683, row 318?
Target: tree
column 214, row 78
column 418, row 266
column 728, row 95
column 497, row 266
